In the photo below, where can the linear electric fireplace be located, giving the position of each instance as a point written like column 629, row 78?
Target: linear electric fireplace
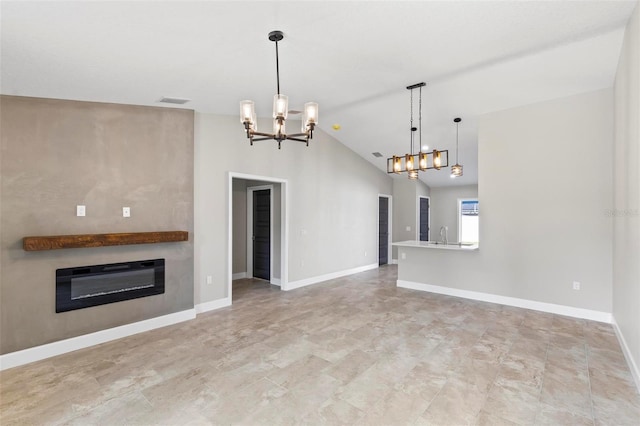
column 86, row 286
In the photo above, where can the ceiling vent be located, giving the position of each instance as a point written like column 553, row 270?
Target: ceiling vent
column 377, row 154
column 178, row 101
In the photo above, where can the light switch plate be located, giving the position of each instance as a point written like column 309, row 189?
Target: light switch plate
column 126, row 212
column 81, row 211
column 408, row 228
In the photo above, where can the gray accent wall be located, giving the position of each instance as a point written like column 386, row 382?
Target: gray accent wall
column 545, row 188
column 58, row 154
column 332, row 197
column 444, row 209
column 626, row 190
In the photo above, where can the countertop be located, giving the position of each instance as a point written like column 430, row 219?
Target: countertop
column 436, row 245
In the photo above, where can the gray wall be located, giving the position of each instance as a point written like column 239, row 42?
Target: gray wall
column 444, row 208
column 626, row 213
column 332, row 197
column 543, row 223
column 239, row 226
column 58, row 154
column 405, row 208
column 276, row 222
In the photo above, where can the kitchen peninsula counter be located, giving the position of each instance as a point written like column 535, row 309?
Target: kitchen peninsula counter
column 437, row 245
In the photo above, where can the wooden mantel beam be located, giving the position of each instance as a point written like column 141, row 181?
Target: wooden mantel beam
column 55, row 242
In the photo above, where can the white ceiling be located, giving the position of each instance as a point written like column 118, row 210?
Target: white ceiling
column 353, row 58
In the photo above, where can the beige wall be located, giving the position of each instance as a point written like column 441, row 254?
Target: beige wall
column 444, row 209
column 626, row 211
column 332, row 201
column 58, row 154
column 543, row 223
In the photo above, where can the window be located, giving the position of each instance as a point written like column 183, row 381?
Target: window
column 468, row 220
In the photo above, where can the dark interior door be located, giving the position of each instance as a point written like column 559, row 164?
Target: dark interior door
column 424, row 219
column 383, row 231
column 262, row 234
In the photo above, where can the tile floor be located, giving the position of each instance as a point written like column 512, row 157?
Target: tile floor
column 355, row 350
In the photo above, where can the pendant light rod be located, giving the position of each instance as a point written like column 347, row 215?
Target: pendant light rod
column 411, row 128
column 276, row 36
column 420, row 117
column 457, row 120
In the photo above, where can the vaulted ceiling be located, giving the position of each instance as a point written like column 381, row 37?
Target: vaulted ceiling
column 353, row 58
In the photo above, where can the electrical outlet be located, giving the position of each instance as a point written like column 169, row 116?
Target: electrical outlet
column 403, row 255
column 408, row 228
column 576, row 285
column 81, row 211
column 126, row 212
column 209, row 279
column 365, row 254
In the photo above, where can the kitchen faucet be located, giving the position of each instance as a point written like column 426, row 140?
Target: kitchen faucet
column 443, row 234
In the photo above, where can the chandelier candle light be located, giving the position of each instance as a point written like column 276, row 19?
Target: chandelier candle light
column 456, row 169
column 422, row 161
column 280, row 108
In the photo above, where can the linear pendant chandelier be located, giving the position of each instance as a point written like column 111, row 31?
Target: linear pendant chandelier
column 421, row 161
column 280, row 109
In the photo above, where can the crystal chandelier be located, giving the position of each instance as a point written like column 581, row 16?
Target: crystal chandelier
column 280, row 109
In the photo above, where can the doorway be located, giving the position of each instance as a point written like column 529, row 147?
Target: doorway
column 259, row 231
column 423, row 218
column 384, row 229
column 240, row 233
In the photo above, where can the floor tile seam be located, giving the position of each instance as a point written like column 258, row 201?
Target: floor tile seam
column 435, row 396
column 69, row 419
column 277, row 384
column 593, row 411
column 493, row 382
column 571, row 410
column 246, row 384
column 468, row 348
column 546, row 356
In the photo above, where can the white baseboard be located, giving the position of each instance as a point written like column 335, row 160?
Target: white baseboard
column 48, row 350
column 394, row 261
column 510, row 301
column 320, row 278
column 238, row 276
column 275, row 281
column 635, row 371
column 212, row 305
